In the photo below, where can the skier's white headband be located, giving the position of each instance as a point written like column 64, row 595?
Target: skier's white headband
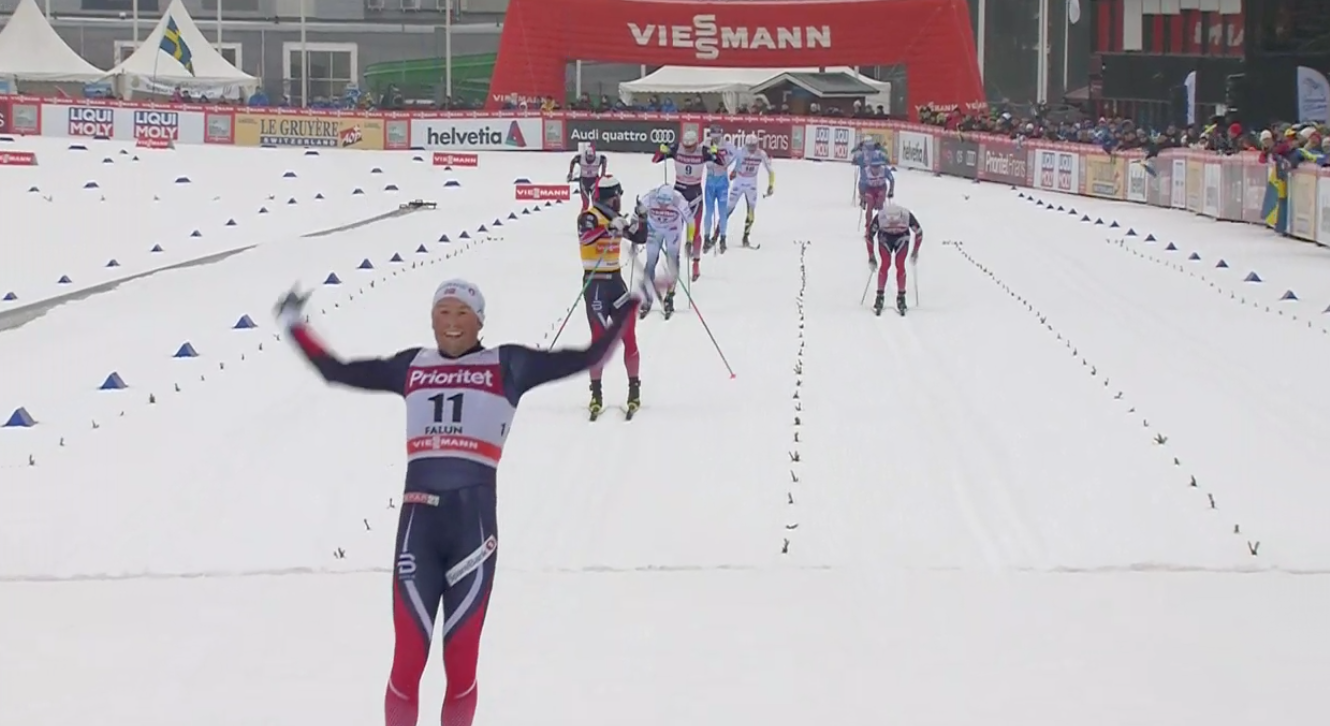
column 464, row 292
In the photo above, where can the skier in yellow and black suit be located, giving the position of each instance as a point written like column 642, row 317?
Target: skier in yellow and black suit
column 600, row 231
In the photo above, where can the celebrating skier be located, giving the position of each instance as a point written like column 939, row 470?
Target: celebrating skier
column 601, row 231
column 689, row 158
column 746, row 163
column 461, row 398
column 876, row 184
column 717, row 191
column 667, row 214
column 892, row 228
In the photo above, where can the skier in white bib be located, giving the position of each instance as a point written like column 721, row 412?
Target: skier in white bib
column 461, row 398
column 743, row 183
column 667, row 214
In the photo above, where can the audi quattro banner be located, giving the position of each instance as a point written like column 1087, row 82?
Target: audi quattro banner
column 1057, row 171
column 1004, row 162
column 916, row 150
column 829, row 143
column 958, row 157
column 620, row 135
column 480, row 134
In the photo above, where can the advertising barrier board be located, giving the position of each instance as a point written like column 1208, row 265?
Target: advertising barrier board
column 620, row 135
column 451, row 158
column 829, row 143
column 1231, row 188
column 776, row 138
column 334, row 132
column 1004, row 162
column 958, row 157
column 488, row 134
column 916, row 150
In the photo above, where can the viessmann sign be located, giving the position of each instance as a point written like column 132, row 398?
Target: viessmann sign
column 709, row 39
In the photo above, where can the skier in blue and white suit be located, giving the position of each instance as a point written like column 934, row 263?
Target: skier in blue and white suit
column 667, row 213
column 876, row 184
column 717, row 189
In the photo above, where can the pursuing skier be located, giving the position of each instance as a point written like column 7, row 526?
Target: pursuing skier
column 892, row 228
column 876, row 184
column 716, row 199
column 461, row 398
column 689, row 159
column 600, row 231
column 592, row 167
column 749, row 159
column 667, row 214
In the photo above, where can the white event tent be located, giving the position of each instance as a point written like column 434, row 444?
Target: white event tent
column 732, row 85
column 152, row 70
column 30, row 50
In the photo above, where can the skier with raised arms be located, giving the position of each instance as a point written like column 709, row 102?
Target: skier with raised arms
column 461, row 398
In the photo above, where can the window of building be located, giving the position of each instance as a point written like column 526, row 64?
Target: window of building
column 331, row 68
column 145, row 6
column 238, row 6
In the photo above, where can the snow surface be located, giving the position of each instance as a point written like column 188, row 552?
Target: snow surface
column 981, row 524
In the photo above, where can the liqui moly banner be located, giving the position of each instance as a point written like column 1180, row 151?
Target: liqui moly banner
column 159, row 128
column 829, row 143
column 90, row 122
column 1057, row 171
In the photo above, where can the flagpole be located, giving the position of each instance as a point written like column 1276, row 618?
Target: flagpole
column 135, row 22
column 1066, row 49
column 980, row 32
column 1041, row 71
column 304, row 60
column 219, row 27
column 448, row 51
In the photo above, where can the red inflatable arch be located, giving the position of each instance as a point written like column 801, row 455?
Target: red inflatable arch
column 932, row 38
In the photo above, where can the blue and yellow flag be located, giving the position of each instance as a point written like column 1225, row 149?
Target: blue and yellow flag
column 1274, row 210
column 175, row 46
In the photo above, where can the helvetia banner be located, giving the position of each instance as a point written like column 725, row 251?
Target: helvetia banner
column 916, row 150
column 478, row 134
column 625, row 135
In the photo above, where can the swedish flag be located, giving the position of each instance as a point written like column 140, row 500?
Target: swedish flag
column 175, row 46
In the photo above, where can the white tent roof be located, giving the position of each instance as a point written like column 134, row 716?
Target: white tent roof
column 31, row 50
column 150, row 61
column 734, row 84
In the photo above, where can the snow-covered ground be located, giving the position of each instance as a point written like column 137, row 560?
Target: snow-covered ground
column 984, row 511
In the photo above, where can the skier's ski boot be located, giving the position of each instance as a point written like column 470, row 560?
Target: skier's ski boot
column 872, row 262
column 900, row 302
column 879, row 302
column 634, row 397
column 697, row 269
column 667, row 305
column 597, row 401
column 688, row 248
column 644, row 309
column 745, row 240
column 709, row 243
column 722, row 244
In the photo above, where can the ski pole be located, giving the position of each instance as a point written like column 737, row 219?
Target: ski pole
column 867, row 284
column 585, row 284
column 914, row 273
column 707, row 328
